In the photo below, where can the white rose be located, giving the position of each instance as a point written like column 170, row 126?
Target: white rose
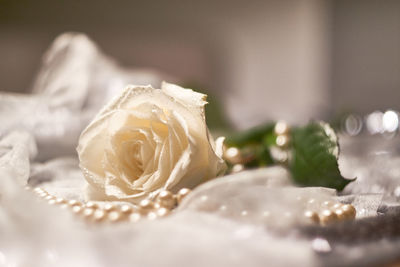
column 146, row 140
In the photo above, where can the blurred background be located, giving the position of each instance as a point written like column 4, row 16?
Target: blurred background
column 292, row 60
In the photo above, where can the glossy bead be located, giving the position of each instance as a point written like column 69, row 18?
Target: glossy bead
column 337, row 206
column 281, row 128
column 99, row 215
column 166, row 199
column 74, row 202
column 135, row 217
column 233, row 155
column 91, row 205
column 312, row 216
column 184, row 192
column 60, row 200
column 64, row 206
column 282, row 141
column 87, row 212
column 237, row 168
column 146, row 204
column 49, row 197
column 109, row 207
column 38, row 190
column 280, row 155
column 77, row 209
column 126, row 209
column 327, row 216
column 340, row 214
column 165, row 194
column 349, row 211
column 162, row 212
column 114, row 216
column 52, row 202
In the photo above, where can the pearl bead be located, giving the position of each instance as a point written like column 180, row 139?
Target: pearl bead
column 52, row 202
column 49, row 197
column 74, row 202
column 184, row 192
column 146, row 204
column 166, row 199
column 337, row 206
column 99, row 215
column 126, row 209
column 282, row 141
column 237, row 168
column 87, row 212
column 38, row 190
column 281, row 127
column 77, row 209
column 64, row 206
column 135, row 217
column 349, row 211
column 60, row 200
column 91, row 205
column 109, row 207
column 340, row 214
column 327, row 217
column 114, row 216
column 162, row 212
column 232, row 155
column 311, row 216
column 165, row 194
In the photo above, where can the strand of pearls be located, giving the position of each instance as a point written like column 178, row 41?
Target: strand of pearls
column 280, row 152
column 327, row 213
column 310, row 211
column 330, row 212
column 109, row 212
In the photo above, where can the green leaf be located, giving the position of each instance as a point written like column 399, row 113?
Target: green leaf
column 252, row 136
column 314, row 157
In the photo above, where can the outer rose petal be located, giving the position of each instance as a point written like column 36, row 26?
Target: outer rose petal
column 186, row 97
column 185, row 156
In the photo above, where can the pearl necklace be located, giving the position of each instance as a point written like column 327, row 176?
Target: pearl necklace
column 93, row 212
column 279, row 152
column 329, row 212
